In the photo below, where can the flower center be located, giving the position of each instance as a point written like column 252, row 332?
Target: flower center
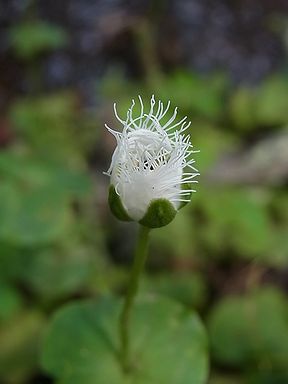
column 147, row 140
column 148, row 149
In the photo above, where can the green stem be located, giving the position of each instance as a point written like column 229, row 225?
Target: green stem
column 137, row 268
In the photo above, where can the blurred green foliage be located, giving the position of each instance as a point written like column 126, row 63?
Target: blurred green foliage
column 62, row 128
column 266, row 105
column 29, row 39
column 35, row 199
column 252, row 331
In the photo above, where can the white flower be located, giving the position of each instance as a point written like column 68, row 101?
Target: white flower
column 152, row 160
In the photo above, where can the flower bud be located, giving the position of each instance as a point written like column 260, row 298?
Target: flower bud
column 151, row 169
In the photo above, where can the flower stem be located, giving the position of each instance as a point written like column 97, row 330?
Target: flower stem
column 137, row 268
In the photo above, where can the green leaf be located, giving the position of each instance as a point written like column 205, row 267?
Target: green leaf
column 35, row 198
column 11, row 262
column 32, row 216
column 10, row 302
column 56, row 116
column 251, row 330
column 56, row 272
column 168, row 344
column 237, row 218
column 242, row 108
column 212, row 142
column 204, row 96
column 32, row 172
column 187, row 288
column 181, row 228
column 32, row 38
column 272, row 102
column 266, row 105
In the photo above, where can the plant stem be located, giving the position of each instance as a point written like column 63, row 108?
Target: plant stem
column 137, row 268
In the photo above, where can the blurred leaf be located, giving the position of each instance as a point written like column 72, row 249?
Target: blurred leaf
column 168, row 344
column 115, row 85
column 29, row 39
column 266, row 105
column 251, row 330
column 272, row 103
column 203, row 96
column 181, row 228
column 279, row 253
column 32, row 216
column 280, row 206
column 238, row 219
column 242, row 108
column 49, row 122
column 53, row 272
column 10, row 302
column 211, row 142
column 32, row 172
column 187, row 288
column 194, row 94
column 19, row 344
column 10, row 262
column 35, row 199
column 58, row 271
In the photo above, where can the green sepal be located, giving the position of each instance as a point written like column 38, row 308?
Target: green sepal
column 183, row 188
column 159, row 213
column 116, row 205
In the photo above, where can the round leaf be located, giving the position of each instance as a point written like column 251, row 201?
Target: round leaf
column 251, row 329
column 168, row 344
